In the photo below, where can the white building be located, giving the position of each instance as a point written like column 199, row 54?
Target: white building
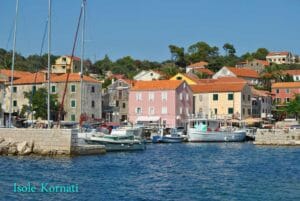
column 148, row 75
column 280, row 58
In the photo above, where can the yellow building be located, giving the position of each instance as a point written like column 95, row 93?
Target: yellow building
column 66, row 62
column 222, row 100
column 190, row 78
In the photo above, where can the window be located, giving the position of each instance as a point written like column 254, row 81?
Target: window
column 180, row 96
column 216, row 111
column 230, row 110
column 93, row 103
column 287, row 91
column 151, row 110
column 151, row 96
column 138, row 96
column 287, row 100
column 230, row 96
column 73, row 103
column 93, row 116
column 151, row 74
column 93, row 89
column 249, row 111
column 243, row 97
column 117, row 103
column 278, row 100
column 120, row 94
column 179, row 78
column 200, row 97
column 243, row 111
column 164, row 110
column 14, row 89
column 34, row 88
column 277, row 91
column 73, row 117
column 64, row 59
column 164, row 95
column 63, row 67
column 73, row 88
column 138, row 110
column 53, row 89
column 15, row 103
column 249, row 97
column 187, row 97
column 215, row 97
column 124, row 105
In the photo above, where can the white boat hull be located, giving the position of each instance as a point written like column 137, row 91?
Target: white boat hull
column 195, row 135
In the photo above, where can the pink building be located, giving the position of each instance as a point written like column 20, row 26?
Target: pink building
column 285, row 91
column 167, row 102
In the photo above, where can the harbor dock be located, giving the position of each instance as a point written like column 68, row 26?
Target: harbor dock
column 277, row 137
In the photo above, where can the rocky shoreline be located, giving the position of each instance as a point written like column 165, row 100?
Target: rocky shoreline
column 8, row 147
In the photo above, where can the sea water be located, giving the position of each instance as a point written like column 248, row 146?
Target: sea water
column 188, row 171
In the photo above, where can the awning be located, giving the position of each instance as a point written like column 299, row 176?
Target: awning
column 148, row 118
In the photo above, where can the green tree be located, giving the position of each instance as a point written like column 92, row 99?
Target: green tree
column 229, row 49
column 178, row 55
column 38, row 101
column 260, row 53
column 102, row 65
column 293, row 107
column 201, row 51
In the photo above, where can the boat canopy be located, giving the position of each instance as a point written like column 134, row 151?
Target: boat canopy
column 148, row 118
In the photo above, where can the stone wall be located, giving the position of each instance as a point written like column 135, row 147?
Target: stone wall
column 277, row 137
column 57, row 141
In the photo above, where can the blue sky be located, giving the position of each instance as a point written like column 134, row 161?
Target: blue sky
column 143, row 29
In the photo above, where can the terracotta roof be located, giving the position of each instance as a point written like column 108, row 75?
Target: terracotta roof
column 286, row 85
column 156, row 85
column 292, row 72
column 74, row 57
column 218, row 87
column 198, row 64
column 74, row 77
column 17, row 73
column 243, row 72
column 225, row 80
column 41, row 78
column 263, row 62
column 192, row 77
column 117, row 76
column 230, row 80
column 285, row 53
column 204, row 70
column 128, row 81
column 259, row 93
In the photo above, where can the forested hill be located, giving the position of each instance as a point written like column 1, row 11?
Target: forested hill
column 180, row 57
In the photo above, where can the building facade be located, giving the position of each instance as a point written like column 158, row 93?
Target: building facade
column 280, row 57
column 66, row 62
column 222, row 100
column 115, row 101
column 90, row 92
column 165, row 102
column 284, row 92
column 261, row 103
column 255, row 64
column 251, row 76
column 148, row 75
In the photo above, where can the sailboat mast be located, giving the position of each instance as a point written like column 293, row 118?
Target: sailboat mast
column 13, row 65
column 82, row 56
column 49, row 54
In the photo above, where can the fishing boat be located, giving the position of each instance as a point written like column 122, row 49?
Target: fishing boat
column 212, row 130
column 116, row 142
column 171, row 136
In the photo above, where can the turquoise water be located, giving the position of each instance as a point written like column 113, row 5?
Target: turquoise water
column 229, row 171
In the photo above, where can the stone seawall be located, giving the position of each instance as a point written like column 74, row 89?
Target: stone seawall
column 42, row 141
column 277, row 137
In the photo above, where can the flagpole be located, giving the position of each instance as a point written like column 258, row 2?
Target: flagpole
column 13, row 65
column 49, row 62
